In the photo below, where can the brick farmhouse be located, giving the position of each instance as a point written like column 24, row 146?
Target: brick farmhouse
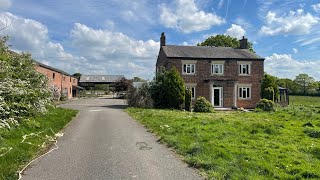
column 227, row 77
column 64, row 83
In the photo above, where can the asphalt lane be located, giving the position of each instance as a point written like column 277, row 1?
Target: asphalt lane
column 103, row 142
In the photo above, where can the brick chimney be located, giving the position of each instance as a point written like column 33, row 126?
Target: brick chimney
column 243, row 43
column 162, row 39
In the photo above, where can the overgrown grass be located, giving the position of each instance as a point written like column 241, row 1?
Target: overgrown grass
column 241, row 145
column 12, row 160
column 313, row 101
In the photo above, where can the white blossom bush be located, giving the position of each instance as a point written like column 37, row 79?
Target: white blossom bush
column 24, row 92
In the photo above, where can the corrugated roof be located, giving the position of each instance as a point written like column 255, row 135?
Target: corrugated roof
column 100, row 78
column 208, row 52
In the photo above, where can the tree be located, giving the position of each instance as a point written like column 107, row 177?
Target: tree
column 290, row 84
column 137, row 79
column 269, row 88
column 77, row 75
column 223, row 41
column 122, row 85
column 167, row 89
column 305, row 82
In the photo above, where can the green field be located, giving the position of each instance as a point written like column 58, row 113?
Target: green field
column 14, row 153
column 242, row 145
column 305, row 100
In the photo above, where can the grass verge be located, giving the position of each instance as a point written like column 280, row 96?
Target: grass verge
column 241, row 145
column 42, row 127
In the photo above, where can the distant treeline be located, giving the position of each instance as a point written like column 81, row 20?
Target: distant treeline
column 303, row 84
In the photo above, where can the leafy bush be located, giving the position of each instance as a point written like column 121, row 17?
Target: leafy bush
column 23, row 91
column 269, row 93
column 202, row 105
column 167, row 89
column 269, row 87
column 188, row 99
column 265, row 105
column 140, row 97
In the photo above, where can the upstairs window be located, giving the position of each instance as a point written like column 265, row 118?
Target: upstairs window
column 244, row 69
column 244, row 92
column 189, row 68
column 217, row 69
column 53, row 75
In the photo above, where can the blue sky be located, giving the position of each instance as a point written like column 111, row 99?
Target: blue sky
column 122, row 37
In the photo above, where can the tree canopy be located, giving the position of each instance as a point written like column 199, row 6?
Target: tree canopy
column 305, row 82
column 223, row 41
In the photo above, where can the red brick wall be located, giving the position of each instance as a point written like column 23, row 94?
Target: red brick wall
column 60, row 81
column 227, row 81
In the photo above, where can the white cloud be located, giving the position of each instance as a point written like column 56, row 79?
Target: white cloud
column 235, row 31
column 31, row 36
column 115, row 51
column 316, row 7
column 284, row 66
column 187, row 18
column 296, row 22
column 94, row 51
column 5, row 4
column 295, row 50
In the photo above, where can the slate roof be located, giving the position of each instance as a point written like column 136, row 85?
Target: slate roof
column 99, row 78
column 52, row 68
column 208, row 52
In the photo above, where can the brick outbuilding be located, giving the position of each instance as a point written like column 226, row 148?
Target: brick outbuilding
column 64, row 83
column 227, row 77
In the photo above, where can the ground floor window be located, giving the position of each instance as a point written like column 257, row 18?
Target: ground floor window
column 193, row 92
column 244, row 92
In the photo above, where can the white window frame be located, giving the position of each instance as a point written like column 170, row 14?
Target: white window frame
column 244, row 92
column 193, row 92
column 192, row 87
column 188, row 67
column 244, row 68
column 220, row 69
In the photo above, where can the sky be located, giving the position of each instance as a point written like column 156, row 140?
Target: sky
column 122, row 37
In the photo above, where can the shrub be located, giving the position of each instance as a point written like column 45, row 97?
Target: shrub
column 265, row 105
column 188, row 99
column 202, row 105
column 269, row 87
column 23, row 91
column 140, row 97
column 167, row 89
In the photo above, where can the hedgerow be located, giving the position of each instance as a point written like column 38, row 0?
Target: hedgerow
column 24, row 92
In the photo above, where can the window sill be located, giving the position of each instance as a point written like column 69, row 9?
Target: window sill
column 244, row 74
column 189, row 74
column 245, row 99
column 217, row 74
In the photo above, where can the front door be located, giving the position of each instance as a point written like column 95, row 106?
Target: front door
column 217, row 97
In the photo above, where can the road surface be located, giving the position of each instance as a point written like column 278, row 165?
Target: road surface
column 103, row 142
